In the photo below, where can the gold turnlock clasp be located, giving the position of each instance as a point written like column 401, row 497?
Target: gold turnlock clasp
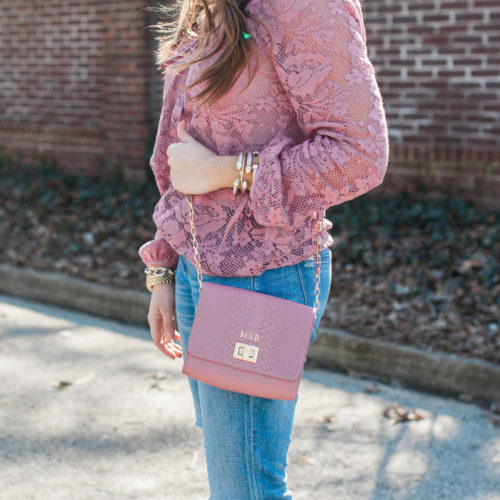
column 245, row 352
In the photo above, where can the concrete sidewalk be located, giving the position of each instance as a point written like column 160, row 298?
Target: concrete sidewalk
column 89, row 409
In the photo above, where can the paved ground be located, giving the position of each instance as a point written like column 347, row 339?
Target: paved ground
column 90, row 410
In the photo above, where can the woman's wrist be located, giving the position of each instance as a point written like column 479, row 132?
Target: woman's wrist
column 158, row 275
column 227, row 172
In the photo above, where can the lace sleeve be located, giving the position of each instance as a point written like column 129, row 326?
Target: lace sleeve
column 158, row 252
column 320, row 56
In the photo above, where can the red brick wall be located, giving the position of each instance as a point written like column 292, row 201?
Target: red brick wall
column 438, row 65
column 74, row 83
column 78, row 87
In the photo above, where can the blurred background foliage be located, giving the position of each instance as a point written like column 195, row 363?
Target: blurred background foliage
column 413, row 268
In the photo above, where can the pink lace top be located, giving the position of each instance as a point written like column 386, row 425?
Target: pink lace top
column 314, row 112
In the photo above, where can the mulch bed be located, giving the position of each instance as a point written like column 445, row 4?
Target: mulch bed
column 410, row 268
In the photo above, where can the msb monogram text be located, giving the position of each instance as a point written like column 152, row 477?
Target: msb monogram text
column 249, row 336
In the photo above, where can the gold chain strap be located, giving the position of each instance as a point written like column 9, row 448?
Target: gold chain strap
column 195, row 243
column 319, row 224
column 318, row 263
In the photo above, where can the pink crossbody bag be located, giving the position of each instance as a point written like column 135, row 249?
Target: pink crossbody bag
column 249, row 342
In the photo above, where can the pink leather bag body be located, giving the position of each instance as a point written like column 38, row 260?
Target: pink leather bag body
column 249, row 342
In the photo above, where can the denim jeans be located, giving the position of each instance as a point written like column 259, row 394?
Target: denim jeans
column 246, row 438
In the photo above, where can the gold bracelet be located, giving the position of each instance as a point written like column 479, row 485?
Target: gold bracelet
column 243, row 183
column 158, row 275
column 248, row 169
column 239, row 164
column 247, row 162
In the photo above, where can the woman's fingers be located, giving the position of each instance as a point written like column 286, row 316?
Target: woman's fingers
column 162, row 320
column 160, row 340
column 167, row 349
column 173, row 349
column 168, row 325
column 177, row 348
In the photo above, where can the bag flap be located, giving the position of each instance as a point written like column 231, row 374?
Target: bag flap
column 274, row 332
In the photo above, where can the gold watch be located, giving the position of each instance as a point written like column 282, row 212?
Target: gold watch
column 158, row 275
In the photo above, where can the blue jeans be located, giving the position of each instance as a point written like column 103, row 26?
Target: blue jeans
column 246, row 438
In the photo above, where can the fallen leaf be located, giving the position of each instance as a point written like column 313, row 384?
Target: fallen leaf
column 62, row 384
column 159, row 386
column 157, row 375
column 399, row 414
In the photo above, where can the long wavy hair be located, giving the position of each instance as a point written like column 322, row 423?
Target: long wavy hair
column 195, row 19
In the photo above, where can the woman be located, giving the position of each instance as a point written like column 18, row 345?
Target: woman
column 310, row 106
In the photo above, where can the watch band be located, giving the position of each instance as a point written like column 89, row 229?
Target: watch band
column 158, row 275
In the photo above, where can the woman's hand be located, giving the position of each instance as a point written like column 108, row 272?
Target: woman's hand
column 195, row 169
column 161, row 320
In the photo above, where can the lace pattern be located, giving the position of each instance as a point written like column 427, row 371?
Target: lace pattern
column 315, row 113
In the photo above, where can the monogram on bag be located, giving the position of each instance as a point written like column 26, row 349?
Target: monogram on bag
column 249, row 342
